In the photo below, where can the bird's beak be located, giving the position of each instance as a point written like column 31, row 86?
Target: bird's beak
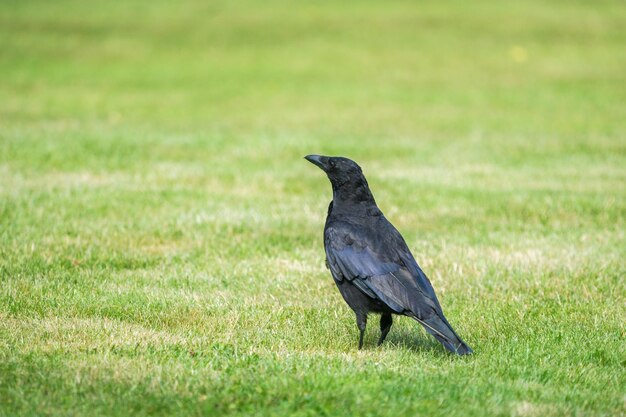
column 318, row 160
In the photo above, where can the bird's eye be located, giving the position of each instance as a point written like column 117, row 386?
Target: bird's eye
column 332, row 163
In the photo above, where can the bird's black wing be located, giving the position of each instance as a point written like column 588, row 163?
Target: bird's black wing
column 381, row 274
column 385, row 270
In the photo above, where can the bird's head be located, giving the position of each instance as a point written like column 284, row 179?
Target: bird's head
column 345, row 175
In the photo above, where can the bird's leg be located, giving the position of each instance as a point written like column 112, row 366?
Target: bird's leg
column 385, row 325
column 361, row 321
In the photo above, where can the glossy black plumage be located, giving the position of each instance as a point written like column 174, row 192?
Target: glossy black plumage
column 370, row 261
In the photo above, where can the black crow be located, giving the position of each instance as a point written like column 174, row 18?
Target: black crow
column 370, row 261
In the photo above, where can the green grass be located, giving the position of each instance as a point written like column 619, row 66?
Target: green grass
column 160, row 233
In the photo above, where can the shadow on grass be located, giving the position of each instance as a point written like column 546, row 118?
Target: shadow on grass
column 414, row 340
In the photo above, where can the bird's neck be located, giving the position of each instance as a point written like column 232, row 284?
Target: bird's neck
column 353, row 199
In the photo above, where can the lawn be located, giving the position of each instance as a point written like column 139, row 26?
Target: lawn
column 161, row 234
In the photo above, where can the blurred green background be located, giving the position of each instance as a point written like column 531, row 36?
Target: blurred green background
column 160, row 233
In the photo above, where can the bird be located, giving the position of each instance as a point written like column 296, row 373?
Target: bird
column 370, row 261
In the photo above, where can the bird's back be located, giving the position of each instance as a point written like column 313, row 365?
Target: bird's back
column 376, row 245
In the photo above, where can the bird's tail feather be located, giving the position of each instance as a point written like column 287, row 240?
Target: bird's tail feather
column 443, row 332
column 459, row 347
